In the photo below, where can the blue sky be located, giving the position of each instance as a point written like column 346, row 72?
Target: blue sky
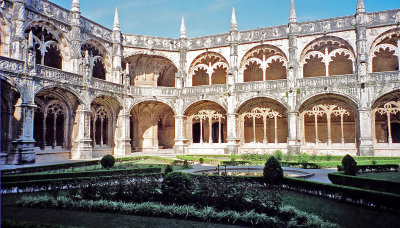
column 207, row 17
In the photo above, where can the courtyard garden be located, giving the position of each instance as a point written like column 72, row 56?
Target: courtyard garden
column 151, row 191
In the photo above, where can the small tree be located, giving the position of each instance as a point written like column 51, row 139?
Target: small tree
column 177, row 187
column 349, row 165
column 273, row 172
column 168, row 169
column 107, row 161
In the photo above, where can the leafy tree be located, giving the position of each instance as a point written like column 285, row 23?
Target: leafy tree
column 273, row 172
column 108, row 161
column 177, row 187
column 349, row 165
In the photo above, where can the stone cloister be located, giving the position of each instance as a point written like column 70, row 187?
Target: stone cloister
column 74, row 89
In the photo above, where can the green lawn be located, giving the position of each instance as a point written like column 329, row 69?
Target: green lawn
column 146, row 163
column 323, row 161
column 94, row 219
column 344, row 214
column 10, row 211
column 382, row 176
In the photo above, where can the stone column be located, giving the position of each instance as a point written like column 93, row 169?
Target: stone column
column 54, row 130
column 365, row 140
column 101, row 130
column 123, row 146
column 179, row 135
column 365, row 143
column 82, row 148
column 328, row 122
column 44, row 128
column 117, row 51
column 76, row 43
column 232, row 77
column 180, row 140
column 293, row 73
column 17, row 34
column 23, row 146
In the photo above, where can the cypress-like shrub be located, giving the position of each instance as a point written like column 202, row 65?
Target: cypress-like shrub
column 350, row 165
column 108, row 161
column 273, row 172
column 168, row 169
column 177, row 187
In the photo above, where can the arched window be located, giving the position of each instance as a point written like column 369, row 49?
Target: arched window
column 263, row 63
column 47, row 47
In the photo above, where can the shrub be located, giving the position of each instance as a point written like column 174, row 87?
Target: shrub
column 186, row 164
column 278, row 155
column 177, row 187
column 108, row 161
column 350, row 165
column 201, row 160
column 168, row 169
column 304, row 158
column 273, row 172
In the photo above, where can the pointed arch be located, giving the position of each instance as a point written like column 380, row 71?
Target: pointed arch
column 208, row 68
column 263, row 62
column 326, row 56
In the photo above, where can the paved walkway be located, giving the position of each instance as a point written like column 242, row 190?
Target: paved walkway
column 320, row 175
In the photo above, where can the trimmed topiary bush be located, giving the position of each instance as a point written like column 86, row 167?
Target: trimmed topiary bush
column 273, row 172
column 349, row 165
column 168, row 169
column 177, row 187
column 108, row 161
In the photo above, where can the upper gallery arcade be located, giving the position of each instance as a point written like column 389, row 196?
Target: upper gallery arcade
column 72, row 88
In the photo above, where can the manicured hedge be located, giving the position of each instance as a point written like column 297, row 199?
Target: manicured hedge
column 365, row 197
column 189, row 212
column 371, row 198
column 374, row 168
column 92, row 173
column 42, row 168
column 365, row 182
column 157, row 158
column 63, row 183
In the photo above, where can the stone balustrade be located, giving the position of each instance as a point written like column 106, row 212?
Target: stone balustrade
column 208, row 89
column 59, row 75
column 330, row 81
column 16, row 67
column 382, row 77
column 11, row 65
column 107, row 86
column 153, row 91
column 261, row 86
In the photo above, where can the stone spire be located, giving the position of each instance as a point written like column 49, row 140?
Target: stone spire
column 292, row 18
column 183, row 29
column 360, row 6
column 116, row 25
column 233, row 20
column 75, row 6
column 30, row 40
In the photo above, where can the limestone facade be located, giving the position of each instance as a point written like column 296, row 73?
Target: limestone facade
column 72, row 88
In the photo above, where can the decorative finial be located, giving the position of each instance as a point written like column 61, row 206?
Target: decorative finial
column 233, row 20
column 183, row 28
column 87, row 57
column 75, row 6
column 116, row 25
column 127, row 69
column 30, row 40
column 292, row 18
column 360, row 6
